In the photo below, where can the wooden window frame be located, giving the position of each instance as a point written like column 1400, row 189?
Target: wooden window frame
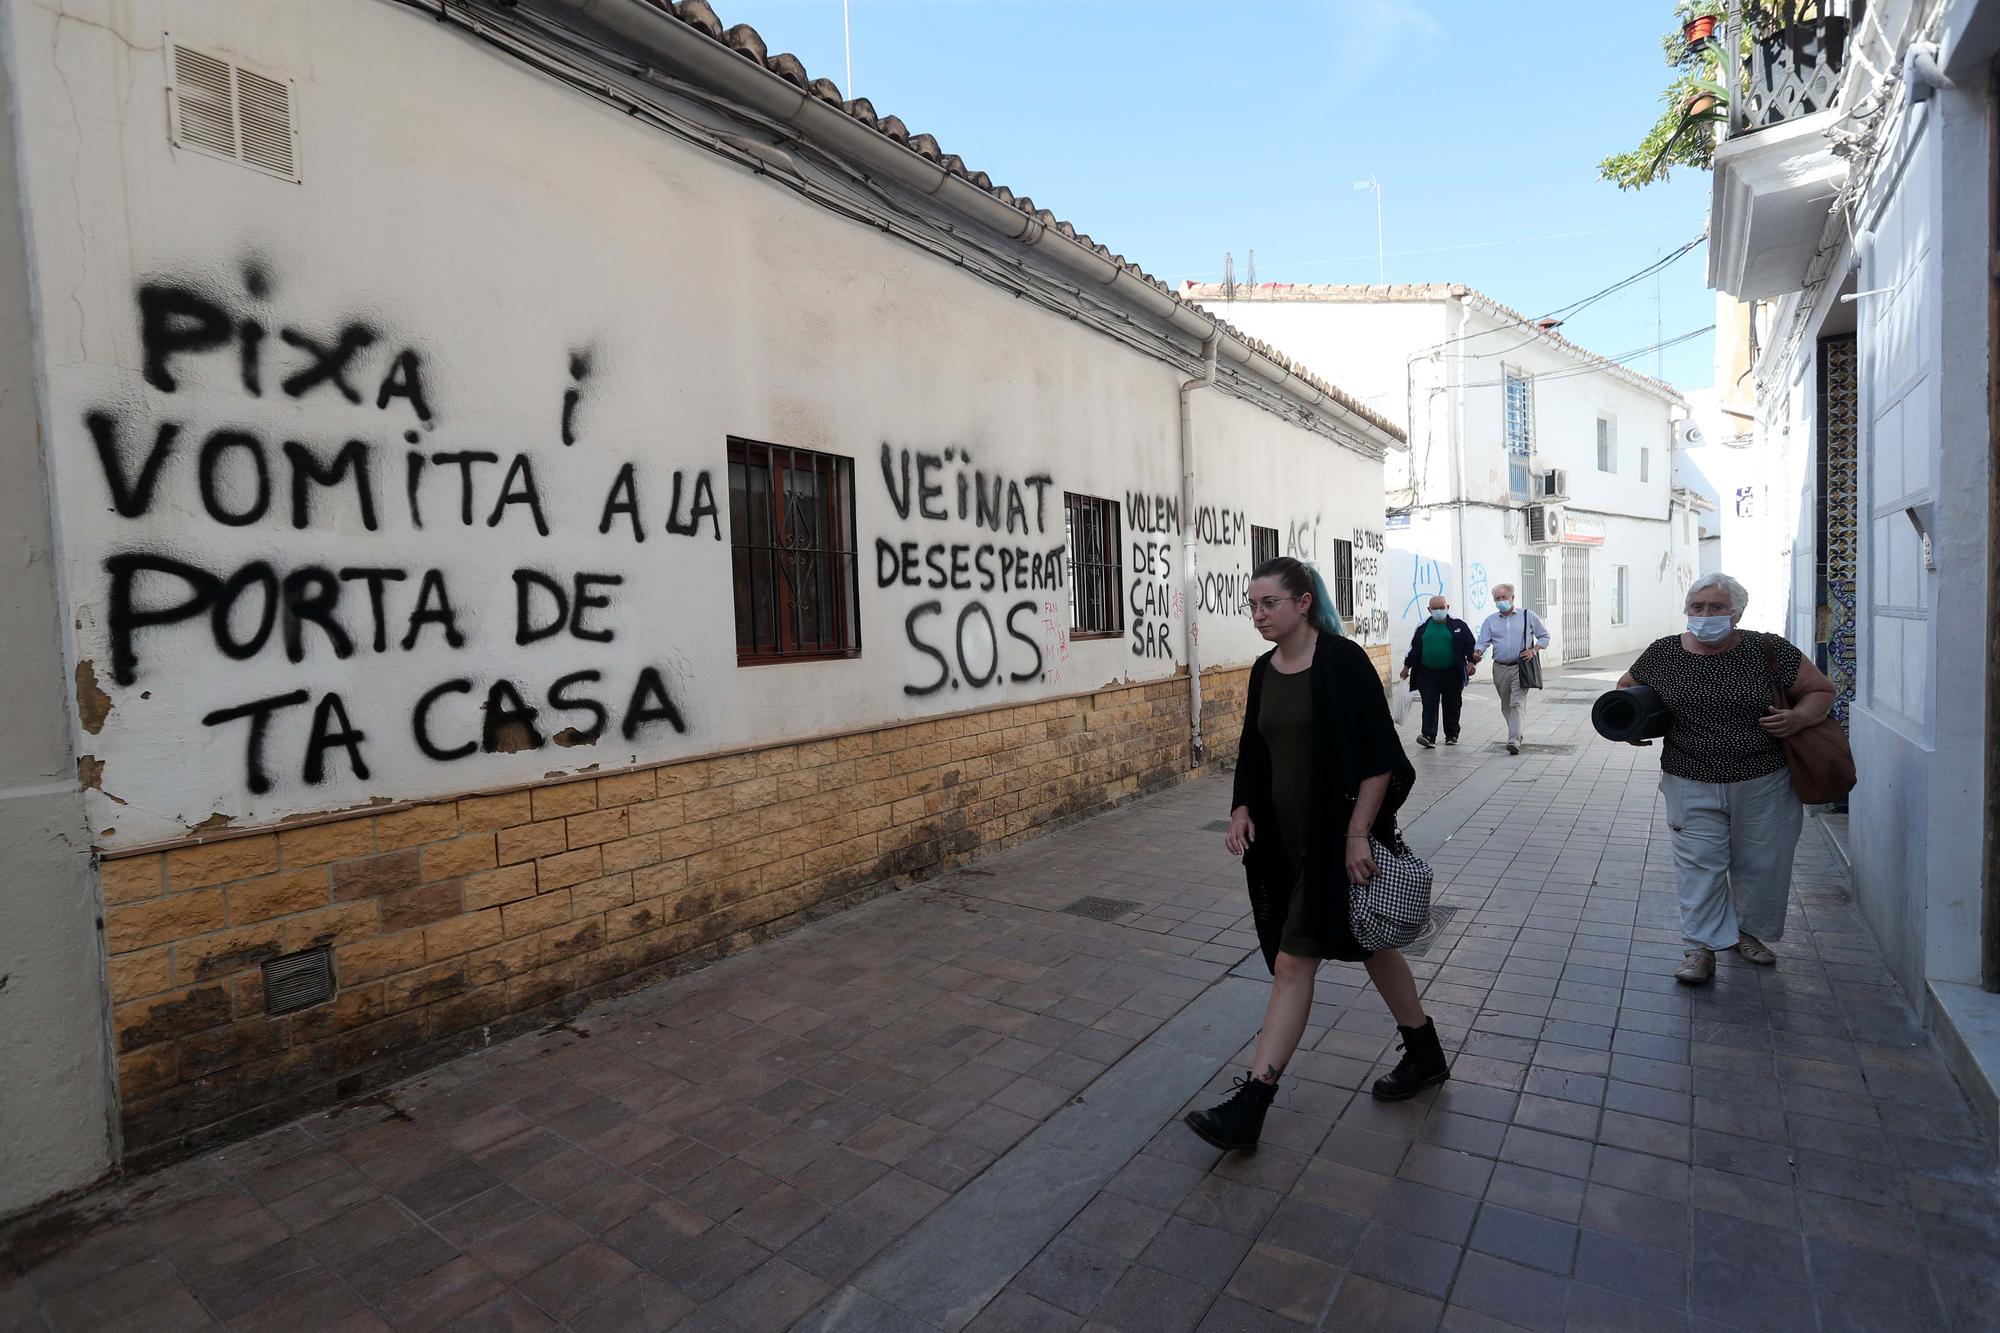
column 1096, row 586
column 836, row 577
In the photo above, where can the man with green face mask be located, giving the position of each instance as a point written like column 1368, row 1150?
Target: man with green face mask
column 1440, row 656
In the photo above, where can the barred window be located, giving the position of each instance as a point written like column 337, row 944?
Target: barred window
column 1096, row 584
column 792, row 552
column 1263, row 545
column 1518, row 393
column 1343, row 578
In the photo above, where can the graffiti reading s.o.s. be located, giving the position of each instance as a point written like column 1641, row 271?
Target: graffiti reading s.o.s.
column 374, row 478
column 990, row 637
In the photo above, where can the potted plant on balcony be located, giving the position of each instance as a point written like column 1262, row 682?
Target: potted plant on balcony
column 1789, row 54
column 1689, row 105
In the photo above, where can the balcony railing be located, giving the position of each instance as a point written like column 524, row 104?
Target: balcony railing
column 1797, row 54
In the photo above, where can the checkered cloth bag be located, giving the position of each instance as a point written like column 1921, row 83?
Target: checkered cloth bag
column 1393, row 910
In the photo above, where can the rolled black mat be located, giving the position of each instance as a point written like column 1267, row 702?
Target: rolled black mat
column 1634, row 714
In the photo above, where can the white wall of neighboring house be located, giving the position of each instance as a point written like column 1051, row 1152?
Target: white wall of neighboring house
column 1923, row 626
column 57, row 1131
column 1446, row 358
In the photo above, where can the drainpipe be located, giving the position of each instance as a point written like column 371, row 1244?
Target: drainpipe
column 1196, row 751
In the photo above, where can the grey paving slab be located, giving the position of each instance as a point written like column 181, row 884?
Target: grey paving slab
column 888, row 1098
column 965, row 1253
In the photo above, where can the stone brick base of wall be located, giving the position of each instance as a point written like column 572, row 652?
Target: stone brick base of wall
column 458, row 922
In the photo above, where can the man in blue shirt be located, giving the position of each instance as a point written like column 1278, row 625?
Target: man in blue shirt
column 1514, row 633
column 1441, row 656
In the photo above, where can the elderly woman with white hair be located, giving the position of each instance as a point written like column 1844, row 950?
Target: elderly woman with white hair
column 1730, row 803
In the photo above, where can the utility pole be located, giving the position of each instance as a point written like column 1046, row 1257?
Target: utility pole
column 1381, row 270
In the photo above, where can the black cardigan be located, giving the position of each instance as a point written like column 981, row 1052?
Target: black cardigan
column 1354, row 739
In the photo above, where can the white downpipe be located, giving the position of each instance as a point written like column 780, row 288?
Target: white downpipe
column 1192, row 576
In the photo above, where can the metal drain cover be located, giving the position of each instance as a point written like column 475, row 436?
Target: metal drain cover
column 1100, row 909
column 1534, row 747
column 1433, row 928
column 1217, row 826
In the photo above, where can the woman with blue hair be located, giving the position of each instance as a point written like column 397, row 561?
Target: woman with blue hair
column 1319, row 771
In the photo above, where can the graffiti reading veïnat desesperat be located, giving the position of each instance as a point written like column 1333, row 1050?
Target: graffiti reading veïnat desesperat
column 171, row 463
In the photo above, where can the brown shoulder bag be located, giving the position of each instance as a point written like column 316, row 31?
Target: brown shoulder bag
column 1818, row 757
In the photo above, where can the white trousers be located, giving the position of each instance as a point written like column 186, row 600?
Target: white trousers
column 1513, row 699
column 1733, row 845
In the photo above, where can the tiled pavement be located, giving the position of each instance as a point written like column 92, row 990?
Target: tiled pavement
column 744, row 1146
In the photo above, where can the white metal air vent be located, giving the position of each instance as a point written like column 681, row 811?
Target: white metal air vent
column 218, row 107
column 298, row 980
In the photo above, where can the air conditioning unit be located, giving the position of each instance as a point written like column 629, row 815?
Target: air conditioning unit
column 1552, row 484
column 1545, row 524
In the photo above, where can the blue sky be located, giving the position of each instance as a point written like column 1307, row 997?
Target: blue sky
column 1176, row 130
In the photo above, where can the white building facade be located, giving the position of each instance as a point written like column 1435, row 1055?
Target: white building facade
column 1532, row 461
column 423, row 422
column 1853, row 212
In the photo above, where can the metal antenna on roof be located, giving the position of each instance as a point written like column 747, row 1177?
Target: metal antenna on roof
column 847, row 39
column 1228, row 276
column 1252, row 279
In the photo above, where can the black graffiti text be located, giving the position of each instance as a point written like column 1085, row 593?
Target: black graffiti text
column 178, row 321
column 943, row 486
column 250, row 606
column 972, row 648
column 967, row 566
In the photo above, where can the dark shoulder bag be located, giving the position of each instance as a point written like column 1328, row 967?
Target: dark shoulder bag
column 1818, row 757
column 1531, row 667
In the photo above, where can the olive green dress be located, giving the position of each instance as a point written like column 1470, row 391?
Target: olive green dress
column 1284, row 720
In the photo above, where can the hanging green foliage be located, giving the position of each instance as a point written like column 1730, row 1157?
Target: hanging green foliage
column 1695, row 101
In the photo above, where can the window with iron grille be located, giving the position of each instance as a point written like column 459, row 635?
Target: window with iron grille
column 1263, row 545
column 1518, row 392
column 1096, row 583
column 1607, row 444
column 1343, row 578
column 792, row 553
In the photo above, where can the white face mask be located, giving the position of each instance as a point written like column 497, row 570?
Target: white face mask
column 1503, row 604
column 1711, row 629
column 1439, row 613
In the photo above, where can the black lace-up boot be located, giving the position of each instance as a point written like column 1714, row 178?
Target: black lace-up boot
column 1423, row 1064
column 1235, row 1124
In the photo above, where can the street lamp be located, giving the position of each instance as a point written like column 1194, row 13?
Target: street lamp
column 1381, row 272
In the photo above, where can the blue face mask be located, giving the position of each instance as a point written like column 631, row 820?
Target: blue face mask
column 1503, row 604
column 1439, row 613
column 1710, row 629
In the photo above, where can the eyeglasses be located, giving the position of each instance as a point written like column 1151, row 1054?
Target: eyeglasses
column 1265, row 604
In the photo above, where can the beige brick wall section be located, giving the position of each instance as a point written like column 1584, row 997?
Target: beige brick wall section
column 451, row 916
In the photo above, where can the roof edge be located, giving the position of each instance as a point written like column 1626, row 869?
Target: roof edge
column 734, row 63
column 1419, row 293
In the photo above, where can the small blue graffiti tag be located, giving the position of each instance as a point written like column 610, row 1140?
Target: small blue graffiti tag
column 1426, row 582
column 1478, row 586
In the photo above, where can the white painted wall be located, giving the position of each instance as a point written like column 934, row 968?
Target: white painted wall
column 1917, row 725
column 56, row 1130
column 1384, row 352
column 509, row 233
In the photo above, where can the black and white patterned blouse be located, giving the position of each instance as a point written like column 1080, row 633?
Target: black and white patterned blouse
column 1714, row 703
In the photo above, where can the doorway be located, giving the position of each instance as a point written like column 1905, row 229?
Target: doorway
column 1575, row 603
